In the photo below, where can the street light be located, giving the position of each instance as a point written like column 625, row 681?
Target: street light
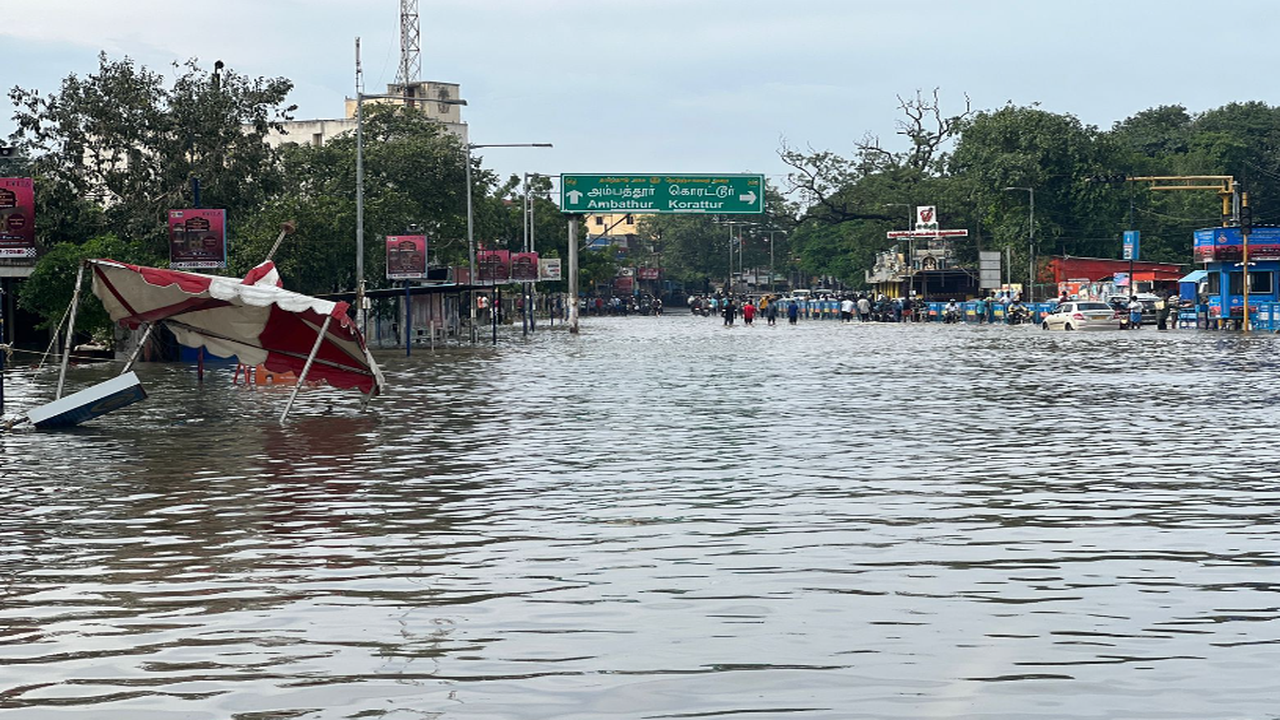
column 360, row 98
column 772, row 288
column 1031, row 242
column 471, row 240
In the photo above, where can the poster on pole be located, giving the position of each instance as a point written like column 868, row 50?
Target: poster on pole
column 17, row 218
column 197, row 239
column 406, row 257
column 524, row 267
column 494, row 266
column 926, row 217
column 549, row 269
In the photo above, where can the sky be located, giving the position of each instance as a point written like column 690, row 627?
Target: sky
column 684, row 86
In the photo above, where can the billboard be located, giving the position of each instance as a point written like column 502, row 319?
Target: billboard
column 549, row 269
column 197, row 239
column 1227, row 244
column 17, row 218
column 494, row 266
column 406, row 257
column 524, row 267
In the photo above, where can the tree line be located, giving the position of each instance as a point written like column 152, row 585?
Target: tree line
column 113, row 151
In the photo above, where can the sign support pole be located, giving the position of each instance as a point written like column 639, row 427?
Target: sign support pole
column 408, row 320
column 573, row 274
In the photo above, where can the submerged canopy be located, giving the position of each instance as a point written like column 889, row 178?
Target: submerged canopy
column 253, row 319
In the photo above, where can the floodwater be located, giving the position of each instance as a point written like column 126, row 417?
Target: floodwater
column 664, row 518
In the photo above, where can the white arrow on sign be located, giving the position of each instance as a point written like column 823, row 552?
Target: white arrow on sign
column 750, row 197
column 574, row 196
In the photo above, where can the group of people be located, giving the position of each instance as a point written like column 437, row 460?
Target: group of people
column 729, row 308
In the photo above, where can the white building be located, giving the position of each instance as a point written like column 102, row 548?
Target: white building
column 421, row 96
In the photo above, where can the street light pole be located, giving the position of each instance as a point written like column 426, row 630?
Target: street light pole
column 1031, row 242
column 360, row 98
column 471, row 238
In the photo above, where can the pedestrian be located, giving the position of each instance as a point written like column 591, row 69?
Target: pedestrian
column 846, row 309
column 793, row 312
column 980, row 310
column 748, row 312
column 728, row 310
column 771, row 312
column 864, row 308
column 1135, row 313
column 1162, row 312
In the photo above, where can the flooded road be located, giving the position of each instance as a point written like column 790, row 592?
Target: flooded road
column 663, row 518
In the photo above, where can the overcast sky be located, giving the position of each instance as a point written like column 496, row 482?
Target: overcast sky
column 685, row 86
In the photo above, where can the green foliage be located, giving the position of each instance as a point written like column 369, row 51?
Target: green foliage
column 128, row 144
column 51, row 286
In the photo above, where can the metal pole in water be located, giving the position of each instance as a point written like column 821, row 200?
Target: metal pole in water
column 307, row 367
column 71, row 331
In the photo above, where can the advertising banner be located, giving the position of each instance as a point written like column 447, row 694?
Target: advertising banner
column 17, row 218
column 524, row 267
column 406, row 257
column 549, row 269
column 625, row 284
column 494, row 266
column 647, row 273
column 1227, row 244
column 197, row 239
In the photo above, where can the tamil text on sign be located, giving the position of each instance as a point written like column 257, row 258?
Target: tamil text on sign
column 715, row 194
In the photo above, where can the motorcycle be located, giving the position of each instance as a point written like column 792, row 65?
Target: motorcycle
column 1018, row 315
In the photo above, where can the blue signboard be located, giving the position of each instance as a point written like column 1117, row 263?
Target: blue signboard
column 1227, row 244
column 1130, row 244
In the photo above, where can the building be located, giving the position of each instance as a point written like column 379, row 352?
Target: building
column 1095, row 277
column 420, row 96
column 933, row 271
column 1221, row 249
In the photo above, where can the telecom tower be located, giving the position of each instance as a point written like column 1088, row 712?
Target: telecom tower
column 410, row 45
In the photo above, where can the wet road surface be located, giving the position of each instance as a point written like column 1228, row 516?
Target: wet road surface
column 663, row 518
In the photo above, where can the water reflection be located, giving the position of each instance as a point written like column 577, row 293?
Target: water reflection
column 663, row 518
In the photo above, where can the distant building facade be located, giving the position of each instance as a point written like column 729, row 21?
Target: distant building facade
column 423, row 96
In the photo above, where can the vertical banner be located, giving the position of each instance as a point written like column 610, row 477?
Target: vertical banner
column 197, row 239
column 17, row 218
column 406, row 257
column 524, row 267
column 494, row 266
column 1130, row 245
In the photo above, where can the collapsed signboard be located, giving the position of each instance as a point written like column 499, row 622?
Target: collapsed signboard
column 17, row 218
column 406, row 257
column 197, row 239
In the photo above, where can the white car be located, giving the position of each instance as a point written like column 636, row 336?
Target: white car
column 1082, row 315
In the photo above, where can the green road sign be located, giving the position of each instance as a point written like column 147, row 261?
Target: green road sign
column 715, row 194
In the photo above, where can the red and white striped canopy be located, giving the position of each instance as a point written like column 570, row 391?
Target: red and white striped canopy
column 253, row 319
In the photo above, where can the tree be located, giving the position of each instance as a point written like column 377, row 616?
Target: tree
column 414, row 175
column 124, row 141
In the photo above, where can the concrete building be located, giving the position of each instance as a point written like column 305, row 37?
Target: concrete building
column 421, row 96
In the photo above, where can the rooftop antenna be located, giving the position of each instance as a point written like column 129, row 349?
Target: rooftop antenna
column 410, row 44
column 359, row 71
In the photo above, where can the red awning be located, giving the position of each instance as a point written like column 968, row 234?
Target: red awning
column 253, row 319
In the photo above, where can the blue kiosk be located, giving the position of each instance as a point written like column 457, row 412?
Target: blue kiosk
column 1221, row 249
